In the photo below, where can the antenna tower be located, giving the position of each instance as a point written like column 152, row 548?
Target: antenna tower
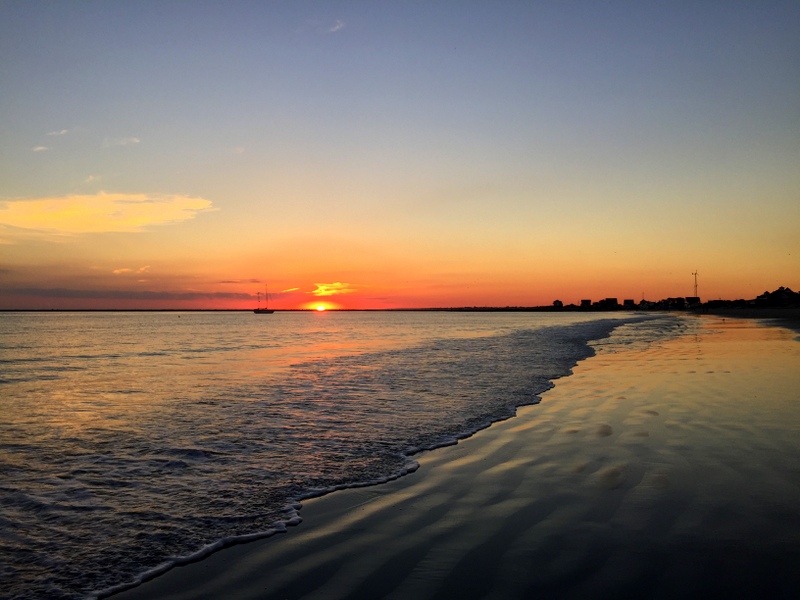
column 695, row 283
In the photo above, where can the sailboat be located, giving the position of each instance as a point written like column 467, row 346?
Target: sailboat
column 266, row 310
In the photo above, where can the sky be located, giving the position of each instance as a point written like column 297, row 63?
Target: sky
column 376, row 154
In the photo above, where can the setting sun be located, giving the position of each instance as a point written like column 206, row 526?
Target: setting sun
column 320, row 306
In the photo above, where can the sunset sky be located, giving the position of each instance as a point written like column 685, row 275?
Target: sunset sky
column 385, row 154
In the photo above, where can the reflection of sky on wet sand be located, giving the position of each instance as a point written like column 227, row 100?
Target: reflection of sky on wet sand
column 691, row 448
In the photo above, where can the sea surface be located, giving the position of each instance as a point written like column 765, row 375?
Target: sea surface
column 131, row 442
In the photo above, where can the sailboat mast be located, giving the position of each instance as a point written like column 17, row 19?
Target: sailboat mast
column 266, row 310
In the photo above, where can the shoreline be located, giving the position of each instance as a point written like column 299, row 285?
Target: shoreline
column 601, row 468
column 783, row 317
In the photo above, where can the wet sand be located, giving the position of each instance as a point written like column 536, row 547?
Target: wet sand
column 672, row 472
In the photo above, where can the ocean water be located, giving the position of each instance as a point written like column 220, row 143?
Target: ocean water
column 131, row 442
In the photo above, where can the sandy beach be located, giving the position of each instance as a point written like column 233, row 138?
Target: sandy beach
column 664, row 473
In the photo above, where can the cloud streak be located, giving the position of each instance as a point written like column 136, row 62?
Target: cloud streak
column 332, row 289
column 40, row 148
column 93, row 294
column 239, row 281
column 100, row 213
column 338, row 26
column 126, row 270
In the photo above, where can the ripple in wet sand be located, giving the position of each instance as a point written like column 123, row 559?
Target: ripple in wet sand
column 604, row 430
column 611, row 477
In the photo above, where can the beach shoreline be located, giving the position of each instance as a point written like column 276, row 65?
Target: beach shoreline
column 659, row 473
column 780, row 317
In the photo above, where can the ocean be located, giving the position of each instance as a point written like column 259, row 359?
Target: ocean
column 134, row 441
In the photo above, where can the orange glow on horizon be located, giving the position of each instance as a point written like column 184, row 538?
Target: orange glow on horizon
column 149, row 285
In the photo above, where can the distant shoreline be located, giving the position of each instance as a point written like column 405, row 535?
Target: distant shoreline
column 756, row 313
column 785, row 317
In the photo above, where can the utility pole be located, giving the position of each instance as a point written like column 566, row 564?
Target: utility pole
column 695, row 283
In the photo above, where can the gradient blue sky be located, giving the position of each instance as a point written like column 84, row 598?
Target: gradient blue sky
column 416, row 153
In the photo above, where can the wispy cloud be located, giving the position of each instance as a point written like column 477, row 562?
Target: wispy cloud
column 101, row 212
column 332, row 289
column 92, row 179
column 123, row 141
column 40, row 148
column 289, row 290
column 338, row 26
column 59, row 132
column 123, row 294
column 238, row 281
column 126, row 270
